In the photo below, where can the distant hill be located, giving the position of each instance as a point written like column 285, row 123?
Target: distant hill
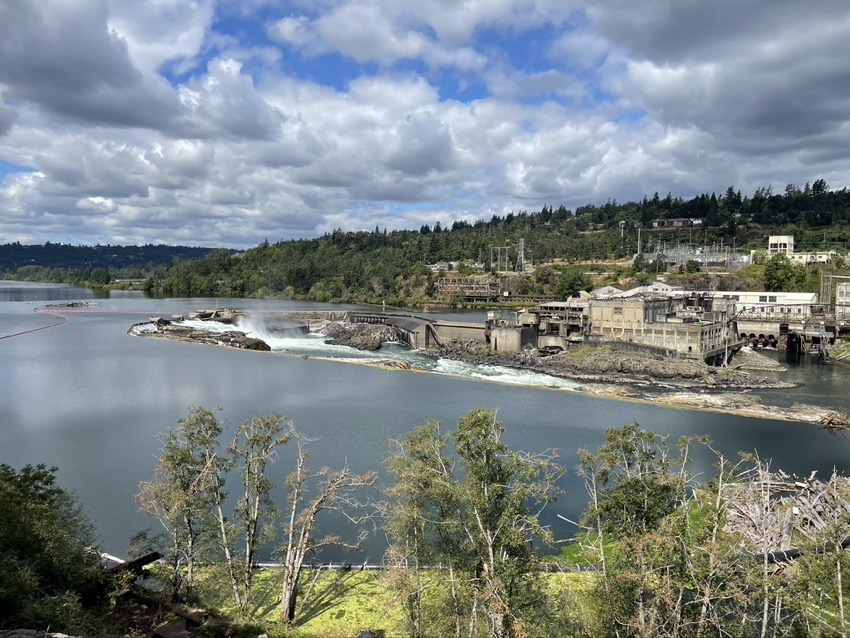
column 50, row 255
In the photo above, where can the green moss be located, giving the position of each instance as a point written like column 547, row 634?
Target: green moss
column 582, row 353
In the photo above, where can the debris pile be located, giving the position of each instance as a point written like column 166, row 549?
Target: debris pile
column 777, row 511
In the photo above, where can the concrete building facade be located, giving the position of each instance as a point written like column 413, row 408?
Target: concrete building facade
column 784, row 245
column 842, row 301
column 660, row 322
column 780, row 244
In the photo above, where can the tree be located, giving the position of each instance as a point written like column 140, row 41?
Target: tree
column 635, row 484
column 636, row 488
column 335, row 492
column 255, row 446
column 182, row 493
column 477, row 512
column 420, row 523
column 47, row 554
column 779, row 272
column 571, row 282
column 187, row 496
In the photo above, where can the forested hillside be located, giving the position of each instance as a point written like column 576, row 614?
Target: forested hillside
column 391, row 267
column 65, row 263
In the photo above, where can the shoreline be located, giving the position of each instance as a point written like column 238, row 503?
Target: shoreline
column 681, row 394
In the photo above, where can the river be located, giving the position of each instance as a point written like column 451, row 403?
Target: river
column 86, row 397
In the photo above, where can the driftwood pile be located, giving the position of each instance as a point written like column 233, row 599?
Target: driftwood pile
column 776, row 511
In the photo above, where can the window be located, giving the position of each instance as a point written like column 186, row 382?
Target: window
column 762, row 298
column 618, row 311
column 772, row 298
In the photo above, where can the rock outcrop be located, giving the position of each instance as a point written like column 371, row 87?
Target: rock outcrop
column 603, row 364
column 174, row 330
column 362, row 336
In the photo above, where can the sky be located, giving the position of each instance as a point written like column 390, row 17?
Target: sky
column 230, row 122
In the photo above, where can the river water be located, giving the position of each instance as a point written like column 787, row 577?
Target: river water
column 88, row 398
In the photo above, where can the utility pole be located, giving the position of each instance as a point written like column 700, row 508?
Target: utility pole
column 499, row 260
column 520, row 260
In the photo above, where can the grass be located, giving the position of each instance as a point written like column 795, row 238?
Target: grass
column 583, row 352
column 344, row 603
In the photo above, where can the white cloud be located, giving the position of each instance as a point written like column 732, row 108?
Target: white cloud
column 443, row 111
column 294, row 30
column 60, row 56
column 374, row 38
column 161, row 31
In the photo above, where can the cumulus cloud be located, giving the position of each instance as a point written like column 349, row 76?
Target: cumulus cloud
column 61, row 57
column 294, row 30
column 739, row 71
column 422, row 144
column 189, row 121
column 7, row 117
column 160, row 32
column 224, row 102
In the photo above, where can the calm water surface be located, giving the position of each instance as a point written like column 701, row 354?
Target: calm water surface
column 86, row 397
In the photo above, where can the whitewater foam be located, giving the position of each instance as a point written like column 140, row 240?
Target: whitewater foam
column 313, row 345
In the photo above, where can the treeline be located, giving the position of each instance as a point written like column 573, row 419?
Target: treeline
column 88, row 265
column 392, row 267
column 670, row 554
column 54, row 255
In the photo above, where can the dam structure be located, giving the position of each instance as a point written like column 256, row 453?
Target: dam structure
column 421, row 333
column 552, row 327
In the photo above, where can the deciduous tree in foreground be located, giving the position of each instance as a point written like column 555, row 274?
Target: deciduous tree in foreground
column 204, row 526
column 477, row 512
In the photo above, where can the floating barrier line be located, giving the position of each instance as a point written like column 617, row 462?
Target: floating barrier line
column 78, row 311
column 65, row 319
column 52, row 325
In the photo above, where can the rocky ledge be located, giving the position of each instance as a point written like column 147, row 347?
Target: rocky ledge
column 749, row 405
column 362, row 336
column 168, row 330
column 602, row 364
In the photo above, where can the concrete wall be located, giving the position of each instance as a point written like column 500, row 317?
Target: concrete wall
column 552, row 341
column 459, row 331
column 627, row 346
column 513, row 339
